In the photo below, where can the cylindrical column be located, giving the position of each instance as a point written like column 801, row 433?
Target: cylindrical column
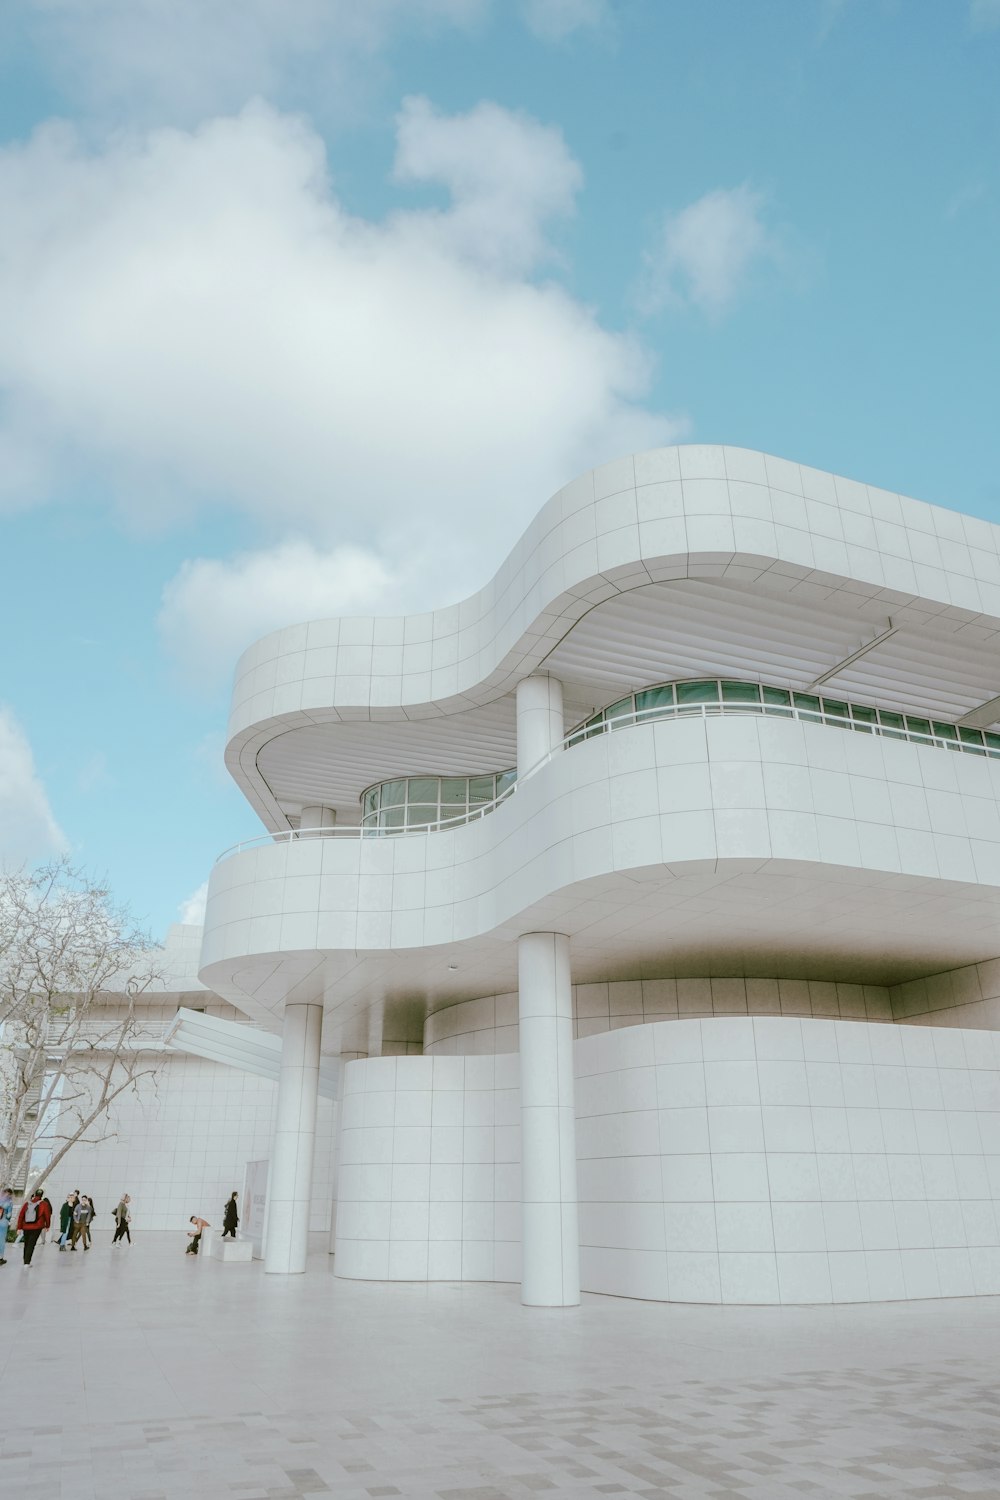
column 289, row 1186
column 550, row 1236
column 317, row 817
column 540, row 726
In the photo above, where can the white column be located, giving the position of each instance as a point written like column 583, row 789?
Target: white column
column 317, row 817
column 550, row 1236
column 540, row 726
column 289, row 1186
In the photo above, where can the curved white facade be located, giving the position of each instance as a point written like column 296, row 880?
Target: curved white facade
column 819, row 846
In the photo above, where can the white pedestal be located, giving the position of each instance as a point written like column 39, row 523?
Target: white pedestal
column 233, row 1250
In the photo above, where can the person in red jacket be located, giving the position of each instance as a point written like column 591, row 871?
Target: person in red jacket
column 33, row 1218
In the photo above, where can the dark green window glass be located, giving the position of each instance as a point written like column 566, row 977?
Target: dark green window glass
column 454, row 790
column 890, row 720
column 393, row 794
column 806, row 701
column 992, row 740
column 623, row 709
column 481, row 789
column 658, row 697
column 835, row 708
column 740, row 692
column 422, row 789
column 697, row 692
column 945, row 731
column 779, row 697
column 973, row 739
column 861, row 714
column 918, row 726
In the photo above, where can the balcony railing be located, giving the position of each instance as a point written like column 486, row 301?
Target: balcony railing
column 608, row 725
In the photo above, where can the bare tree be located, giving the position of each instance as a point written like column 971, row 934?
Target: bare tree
column 72, row 966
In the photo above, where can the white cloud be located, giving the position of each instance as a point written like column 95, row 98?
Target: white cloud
column 553, row 20
column 196, row 317
column 706, row 251
column 192, row 911
column 185, row 59
column 506, row 175
column 984, row 15
column 28, row 829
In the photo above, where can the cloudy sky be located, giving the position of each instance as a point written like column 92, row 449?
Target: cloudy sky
column 307, row 305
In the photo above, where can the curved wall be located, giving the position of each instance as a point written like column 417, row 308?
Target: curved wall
column 670, row 795
column 488, row 1024
column 719, row 1160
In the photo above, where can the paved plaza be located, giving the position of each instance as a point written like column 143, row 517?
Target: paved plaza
column 146, row 1375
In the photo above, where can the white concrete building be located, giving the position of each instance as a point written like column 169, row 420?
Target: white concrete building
column 647, row 848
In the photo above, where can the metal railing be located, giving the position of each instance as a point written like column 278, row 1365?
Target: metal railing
column 591, row 731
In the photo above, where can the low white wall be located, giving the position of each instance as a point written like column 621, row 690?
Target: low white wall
column 739, row 1160
column 429, row 1182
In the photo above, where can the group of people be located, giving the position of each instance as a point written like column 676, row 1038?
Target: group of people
column 76, row 1216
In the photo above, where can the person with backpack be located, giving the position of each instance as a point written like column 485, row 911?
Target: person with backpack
column 122, row 1217
column 33, row 1218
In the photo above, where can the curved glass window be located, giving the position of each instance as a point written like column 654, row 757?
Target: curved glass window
column 447, row 801
column 422, row 801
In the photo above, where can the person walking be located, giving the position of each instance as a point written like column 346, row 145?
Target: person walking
column 33, row 1218
column 6, row 1214
column 82, row 1215
column 122, row 1217
column 48, row 1205
column 200, row 1225
column 66, row 1218
column 230, row 1218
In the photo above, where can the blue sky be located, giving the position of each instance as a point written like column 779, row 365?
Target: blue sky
column 272, row 272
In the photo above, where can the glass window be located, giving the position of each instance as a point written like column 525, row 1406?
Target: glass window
column 697, row 692
column 371, row 801
column 454, row 789
column 992, row 742
column 890, row 720
column 624, row 708
column 862, row 714
column 657, row 697
column 973, row 739
column 422, row 789
column 392, row 794
column 505, row 781
column 481, row 789
column 740, row 692
column 777, row 701
column 417, row 813
column 918, row 726
column 835, row 708
column 944, row 731
column 808, row 706
column 391, row 817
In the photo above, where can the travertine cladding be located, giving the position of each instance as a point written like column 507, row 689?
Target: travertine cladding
column 488, row 1024
column 729, row 1159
